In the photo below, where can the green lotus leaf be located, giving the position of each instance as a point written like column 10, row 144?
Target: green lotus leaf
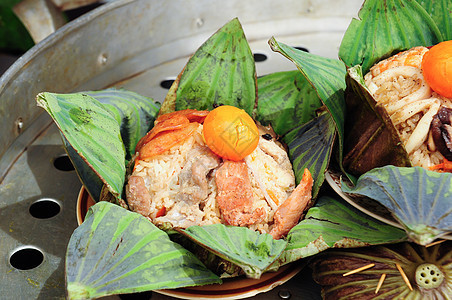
column 89, row 178
column 332, row 223
column 14, row 36
column 310, row 146
column 368, row 127
column 428, row 270
column 222, row 71
column 135, row 114
column 385, row 27
column 92, row 131
column 169, row 104
column 327, row 76
column 290, row 104
column 440, row 10
column 116, row 251
column 218, row 265
column 286, row 100
column 250, row 250
column 419, row 199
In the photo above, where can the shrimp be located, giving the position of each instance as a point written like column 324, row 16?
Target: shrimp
column 411, row 57
column 235, row 195
column 290, row 211
column 235, row 199
column 445, row 166
column 407, row 65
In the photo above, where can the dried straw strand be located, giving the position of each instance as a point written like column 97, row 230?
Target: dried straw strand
column 405, row 278
column 380, row 282
column 434, row 243
column 359, row 269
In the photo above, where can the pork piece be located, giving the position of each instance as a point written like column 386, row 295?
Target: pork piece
column 277, row 153
column 138, row 196
column 193, row 177
column 183, row 215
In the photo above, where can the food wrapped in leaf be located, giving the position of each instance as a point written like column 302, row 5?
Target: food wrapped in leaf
column 399, row 271
column 201, row 168
column 221, row 72
column 370, row 137
column 397, row 87
column 397, row 113
column 416, row 101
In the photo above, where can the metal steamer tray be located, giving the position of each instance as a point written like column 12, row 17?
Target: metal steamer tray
column 142, row 46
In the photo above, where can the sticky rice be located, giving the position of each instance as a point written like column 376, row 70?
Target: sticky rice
column 178, row 186
column 398, row 84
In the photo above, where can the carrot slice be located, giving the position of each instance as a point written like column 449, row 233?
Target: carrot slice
column 166, row 140
column 161, row 212
column 192, row 115
column 445, row 166
column 175, row 123
column 172, row 121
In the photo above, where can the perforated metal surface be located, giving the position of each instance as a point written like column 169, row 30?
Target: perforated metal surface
column 130, row 44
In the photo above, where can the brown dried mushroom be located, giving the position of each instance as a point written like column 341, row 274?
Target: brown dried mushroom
column 441, row 131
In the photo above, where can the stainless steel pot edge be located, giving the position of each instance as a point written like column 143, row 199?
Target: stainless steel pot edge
column 20, row 127
column 32, row 74
column 157, row 53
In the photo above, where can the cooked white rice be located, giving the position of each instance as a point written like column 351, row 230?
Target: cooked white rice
column 410, row 103
column 269, row 168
